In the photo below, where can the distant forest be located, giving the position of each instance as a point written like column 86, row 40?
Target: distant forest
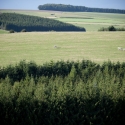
column 19, row 22
column 71, row 8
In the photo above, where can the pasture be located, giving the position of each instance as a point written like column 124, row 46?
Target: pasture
column 3, row 31
column 39, row 47
column 88, row 20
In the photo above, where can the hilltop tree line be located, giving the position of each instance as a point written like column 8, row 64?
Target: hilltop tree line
column 71, row 8
column 18, row 22
column 65, row 93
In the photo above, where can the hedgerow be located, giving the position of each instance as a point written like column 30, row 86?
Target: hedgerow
column 111, row 28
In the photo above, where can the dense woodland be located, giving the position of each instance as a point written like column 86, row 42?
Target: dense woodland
column 71, row 8
column 18, row 22
column 62, row 93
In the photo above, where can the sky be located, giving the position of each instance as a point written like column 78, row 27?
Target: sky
column 33, row 4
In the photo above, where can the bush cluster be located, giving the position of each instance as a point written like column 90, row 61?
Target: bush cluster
column 111, row 28
column 12, row 31
column 63, row 93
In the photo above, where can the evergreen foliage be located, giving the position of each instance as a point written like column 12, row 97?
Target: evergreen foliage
column 71, row 8
column 63, row 93
column 18, row 22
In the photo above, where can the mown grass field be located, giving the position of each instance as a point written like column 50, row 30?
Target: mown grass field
column 90, row 21
column 39, row 46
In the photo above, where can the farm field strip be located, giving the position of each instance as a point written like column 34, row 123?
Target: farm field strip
column 39, row 46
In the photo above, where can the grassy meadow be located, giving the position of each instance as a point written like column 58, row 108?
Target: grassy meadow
column 39, row 46
column 90, row 21
column 3, row 31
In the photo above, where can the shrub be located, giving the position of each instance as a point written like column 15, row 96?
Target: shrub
column 23, row 30
column 11, row 31
column 111, row 28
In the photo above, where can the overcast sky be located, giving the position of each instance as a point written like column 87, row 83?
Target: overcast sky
column 33, row 4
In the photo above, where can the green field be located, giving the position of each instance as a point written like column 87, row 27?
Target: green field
column 3, row 31
column 39, row 46
column 90, row 21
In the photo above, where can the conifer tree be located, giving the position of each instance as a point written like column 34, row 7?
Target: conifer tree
column 72, row 74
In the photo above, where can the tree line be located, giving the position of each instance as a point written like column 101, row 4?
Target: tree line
column 18, row 22
column 63, row 7
column 65, row 93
